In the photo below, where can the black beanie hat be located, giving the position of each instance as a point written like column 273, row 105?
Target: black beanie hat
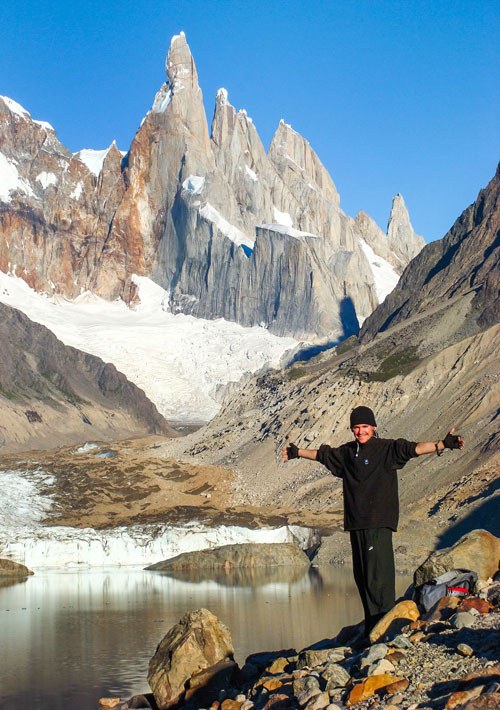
column 362, row 415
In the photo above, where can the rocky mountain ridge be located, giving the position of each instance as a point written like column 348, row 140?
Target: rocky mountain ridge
column 52, row 394
column 227, row 229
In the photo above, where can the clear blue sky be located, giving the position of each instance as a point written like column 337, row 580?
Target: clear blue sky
column 394, row 96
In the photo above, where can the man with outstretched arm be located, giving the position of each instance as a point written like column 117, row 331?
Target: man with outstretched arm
column 368, row 469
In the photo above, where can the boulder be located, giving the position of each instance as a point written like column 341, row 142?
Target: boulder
column 228, row 557
column 478, row 550
column 400, row 615
column 11, row 569
column 368, row 687
column 195, row 653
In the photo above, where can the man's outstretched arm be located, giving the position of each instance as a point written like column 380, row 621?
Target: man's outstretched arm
column 450, row 441
column 293, row 452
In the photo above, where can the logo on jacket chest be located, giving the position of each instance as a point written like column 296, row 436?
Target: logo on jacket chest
column 365, row 461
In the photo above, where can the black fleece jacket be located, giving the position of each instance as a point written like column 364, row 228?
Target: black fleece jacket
column 370, row 483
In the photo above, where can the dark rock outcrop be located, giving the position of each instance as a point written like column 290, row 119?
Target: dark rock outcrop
column 13, row 570
column 228, row 557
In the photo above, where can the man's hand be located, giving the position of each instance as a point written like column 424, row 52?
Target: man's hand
column 453, row 442
column 291, row 452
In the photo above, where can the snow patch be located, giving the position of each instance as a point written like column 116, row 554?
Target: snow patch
column 46, row 179
column 289, row 231
column 384, row 275
column 93, row 159
column 31, row 504
column 243, row 113
column 176, row 38
column 282, row 218
column 162, row 99
column 44, row 124
column 15, row 107
column 178, row 360
column 10, row 180
column 251, row 174
column 221, row 96
column 194, row 183
column 75, row 195
column 229, row 230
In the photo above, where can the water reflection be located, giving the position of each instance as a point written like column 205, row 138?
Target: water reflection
column 68, row 638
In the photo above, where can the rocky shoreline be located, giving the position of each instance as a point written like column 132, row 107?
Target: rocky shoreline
column 449, row 658
column 443, row 657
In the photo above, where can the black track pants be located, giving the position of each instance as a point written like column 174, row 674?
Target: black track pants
column 374, row 574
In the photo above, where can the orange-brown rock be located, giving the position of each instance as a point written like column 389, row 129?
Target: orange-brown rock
column 480, row 605
column 395, row 656
column 442, row 610
column 108, row 702
column 491, row 674
column 399, row 686
column 278, row 665
column 272, row 684
column 460, row 697
column 229, row 704
column 368, row 687
column 395, row 619
column 486, row 701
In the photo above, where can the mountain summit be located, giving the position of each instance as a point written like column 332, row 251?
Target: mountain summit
column 225, row 228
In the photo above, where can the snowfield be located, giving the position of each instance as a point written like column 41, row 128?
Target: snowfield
column 178, row 360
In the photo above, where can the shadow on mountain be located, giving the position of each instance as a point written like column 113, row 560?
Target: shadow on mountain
column 484, row 517
column 311, row 351
column 350, row 326
column 348, row 318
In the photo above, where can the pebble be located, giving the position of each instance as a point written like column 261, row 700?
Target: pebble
column 381, row 667
column 318, row 702
column 464, row 650
column 375, row 653
column 401, row 641
column 463, row 619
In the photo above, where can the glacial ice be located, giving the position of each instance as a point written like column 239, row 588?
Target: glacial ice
column 157, row 350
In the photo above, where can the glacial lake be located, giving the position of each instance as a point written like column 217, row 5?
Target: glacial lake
column 68, row 638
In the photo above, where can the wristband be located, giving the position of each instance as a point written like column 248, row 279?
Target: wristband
column 438, row 451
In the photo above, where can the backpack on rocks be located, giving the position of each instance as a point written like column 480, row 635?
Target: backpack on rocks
column 455, row 583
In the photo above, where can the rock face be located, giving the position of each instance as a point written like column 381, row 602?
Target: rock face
column 193, row 646
column 244, row 555
column 50, row 392
column 226, row 228
column 459, row 272
column 478, row 550
column 54, row 211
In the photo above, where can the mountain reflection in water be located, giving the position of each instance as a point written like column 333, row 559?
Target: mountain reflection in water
column 69, row 638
